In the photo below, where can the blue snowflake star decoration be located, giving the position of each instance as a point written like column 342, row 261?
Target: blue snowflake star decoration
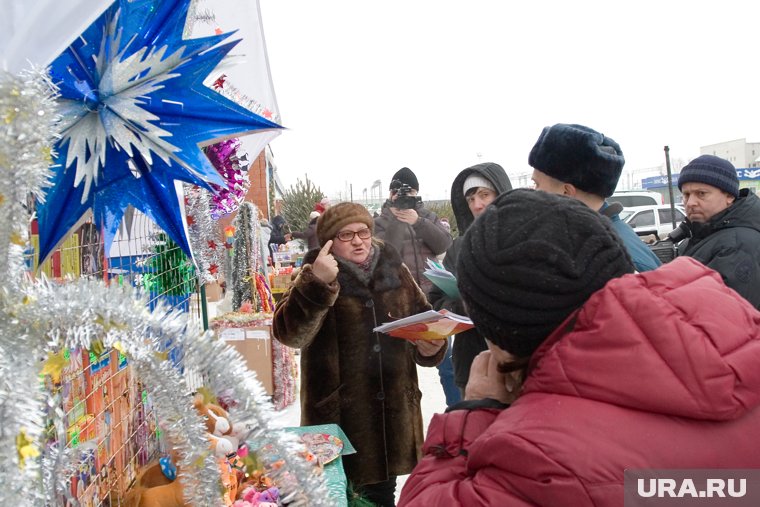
column 135, row 111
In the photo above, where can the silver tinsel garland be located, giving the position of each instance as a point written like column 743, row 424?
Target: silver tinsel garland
column 38, row 318
column 206, row 241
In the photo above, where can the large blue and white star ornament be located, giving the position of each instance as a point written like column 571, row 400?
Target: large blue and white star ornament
column 135, row 113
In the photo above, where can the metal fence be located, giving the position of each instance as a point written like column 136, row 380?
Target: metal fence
column 106, row 409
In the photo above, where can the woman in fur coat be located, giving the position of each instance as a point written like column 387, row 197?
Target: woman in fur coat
column 364, row 381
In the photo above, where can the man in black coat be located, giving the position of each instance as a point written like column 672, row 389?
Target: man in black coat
column 722, row 224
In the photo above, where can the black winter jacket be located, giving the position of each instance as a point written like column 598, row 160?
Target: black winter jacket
column 729, row 243
column 416, row 243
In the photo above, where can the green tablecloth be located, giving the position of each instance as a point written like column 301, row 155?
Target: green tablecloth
column 335, row 476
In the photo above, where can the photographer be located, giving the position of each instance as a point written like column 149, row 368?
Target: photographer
column 417, row 233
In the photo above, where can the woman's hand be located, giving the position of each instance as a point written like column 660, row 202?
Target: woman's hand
column 325, row 267
column 486, row 382
column 429, row 348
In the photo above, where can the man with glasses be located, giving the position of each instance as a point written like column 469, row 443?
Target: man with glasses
column 350, row 375
column 415, row 231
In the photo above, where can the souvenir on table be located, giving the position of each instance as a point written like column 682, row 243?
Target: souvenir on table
column 324, row 447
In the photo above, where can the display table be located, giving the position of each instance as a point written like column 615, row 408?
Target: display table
column 335, row 475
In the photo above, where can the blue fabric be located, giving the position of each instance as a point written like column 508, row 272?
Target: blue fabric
column 642, row 256
column 446, row 375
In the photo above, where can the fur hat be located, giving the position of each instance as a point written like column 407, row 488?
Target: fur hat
column 580, row 156
column 404, row 176
column 711, row 170
column 336, row 217
column 530, row 260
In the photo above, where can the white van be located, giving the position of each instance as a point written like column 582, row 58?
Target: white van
column 646, row 220
column 633, row 198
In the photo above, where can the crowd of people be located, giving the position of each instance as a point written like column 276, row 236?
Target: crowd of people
column 587, row 357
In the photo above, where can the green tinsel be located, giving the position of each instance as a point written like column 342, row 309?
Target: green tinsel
column 355, row 499
column 170, row 272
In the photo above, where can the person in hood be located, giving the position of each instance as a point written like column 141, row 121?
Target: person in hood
column 605, row 370
column 310, row 234
column 579, row 162
column 279, row 235
column 413, row 230
column 472, row 191
column 722, row 224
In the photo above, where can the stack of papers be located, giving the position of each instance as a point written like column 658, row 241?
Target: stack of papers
column 442, row 278
column 429, row 325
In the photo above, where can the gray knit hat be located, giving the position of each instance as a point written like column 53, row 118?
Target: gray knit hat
column 529, row 261
column 711, row 170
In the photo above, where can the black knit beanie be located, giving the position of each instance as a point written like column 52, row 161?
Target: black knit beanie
column 578, row 155
column 711, row 170
column 404, row 176
column 529, row 261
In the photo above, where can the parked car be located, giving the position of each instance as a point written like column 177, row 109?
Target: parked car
column 645, row 220
column 631, row 198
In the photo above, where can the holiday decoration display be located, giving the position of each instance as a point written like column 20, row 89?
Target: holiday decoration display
column 135, row 110
column 232, row 166
column 170, row 271
column 41, row 319
column 248, row 282
column 205, row 234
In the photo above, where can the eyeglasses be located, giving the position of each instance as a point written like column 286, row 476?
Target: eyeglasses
column 349, row 235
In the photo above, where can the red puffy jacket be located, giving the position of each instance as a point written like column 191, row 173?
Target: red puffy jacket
column 661, row 370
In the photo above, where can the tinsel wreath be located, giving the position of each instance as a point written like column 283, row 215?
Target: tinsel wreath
column 205, row 235
column 248, row 257
column 39, row 319
column 232, row 165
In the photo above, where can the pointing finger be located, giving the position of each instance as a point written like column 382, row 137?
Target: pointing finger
column 326, row 249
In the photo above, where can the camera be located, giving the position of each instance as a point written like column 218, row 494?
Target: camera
column 403, row 199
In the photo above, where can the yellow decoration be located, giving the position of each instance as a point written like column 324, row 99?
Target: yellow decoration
column 163, row 356
column 208, row 396
column 97, row 347
column 47, row 151
column 10, row 116
column 25, row 448
column 16, row 239
column 199, row 462
column 118, row 346
column 110, row 324
column 54, row 365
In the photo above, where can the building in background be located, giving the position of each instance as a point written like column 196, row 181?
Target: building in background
column 743, row 155
column 739, row 152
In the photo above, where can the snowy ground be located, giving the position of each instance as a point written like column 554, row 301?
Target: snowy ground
column 433, row 401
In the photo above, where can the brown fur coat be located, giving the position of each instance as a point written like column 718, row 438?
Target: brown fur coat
column 361, row 380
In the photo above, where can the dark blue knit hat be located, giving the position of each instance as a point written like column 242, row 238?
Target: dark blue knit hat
column 711, row 170
column 580, row 156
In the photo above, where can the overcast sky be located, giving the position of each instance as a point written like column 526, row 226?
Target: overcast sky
column 438, row 85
